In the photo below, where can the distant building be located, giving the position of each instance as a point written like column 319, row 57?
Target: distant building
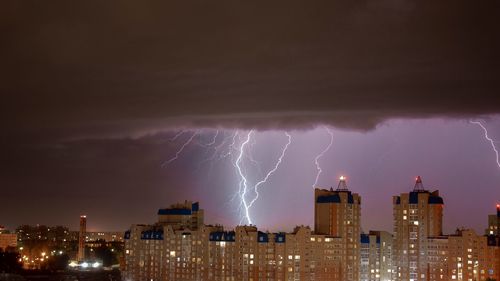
column 8, row 240
column 49, row 236
column 376, row 256
column 81, row 238
column 107, row 236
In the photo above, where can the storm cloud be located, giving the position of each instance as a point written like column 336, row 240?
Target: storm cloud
column 92, row 91
column 118, row 67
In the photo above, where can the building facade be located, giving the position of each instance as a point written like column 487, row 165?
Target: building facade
column 337, row 213
column 472, row 256
column 376, row 256
column 181, row 247
column 8, row 240
column 494, row 223
column 418, row 215
column 107, row 236
column 422, row 252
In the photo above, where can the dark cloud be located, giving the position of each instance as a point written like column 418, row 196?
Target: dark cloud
column 91, row 67
column 74, row 73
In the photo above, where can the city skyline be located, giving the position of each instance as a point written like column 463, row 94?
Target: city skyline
column 180, row 246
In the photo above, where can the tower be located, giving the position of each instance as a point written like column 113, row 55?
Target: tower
column 418, row 215
column 81, row 238
column 337, row 214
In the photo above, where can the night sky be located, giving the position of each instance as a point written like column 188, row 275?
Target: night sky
column 93, row 94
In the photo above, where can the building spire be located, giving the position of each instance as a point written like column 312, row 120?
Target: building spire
column 418, row 184
column 342, row 186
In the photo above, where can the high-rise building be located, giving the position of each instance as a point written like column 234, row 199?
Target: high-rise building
column 81, row 238
column 494, row 223
column 472, row 257
column 418, row 215
column 376, row 256
column 422, row 252
column 186, row 215
column 462, row 256
column 337, row 213
column 183, row 248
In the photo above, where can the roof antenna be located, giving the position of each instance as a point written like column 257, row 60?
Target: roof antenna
column 342, row 186
column 418, row 184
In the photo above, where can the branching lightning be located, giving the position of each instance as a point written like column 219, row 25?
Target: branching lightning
column 217, row 148
column 316, row 160
column 239, row 145
column 231, row 146
column 177, row 135
column 243, row 187
column 271, row 172
column 180, row 150
column 237, row 148
column 214, row 139
column 492, row 142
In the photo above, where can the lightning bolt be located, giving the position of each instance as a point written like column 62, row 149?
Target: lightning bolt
column 241, row 148
column 237, row 148
column 316, row 160
column 177, row 135
column 216, row 149
column 243, row 186
column 271, row 172
column 180, row 150
column 231, row 146
column 214, row 139
column 492, row 142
